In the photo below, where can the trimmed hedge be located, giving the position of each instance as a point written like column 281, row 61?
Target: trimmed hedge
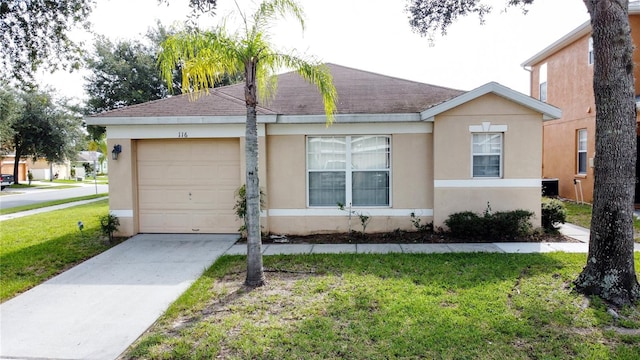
column 501, row 225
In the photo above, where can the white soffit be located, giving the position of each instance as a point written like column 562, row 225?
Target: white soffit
column 548, row 111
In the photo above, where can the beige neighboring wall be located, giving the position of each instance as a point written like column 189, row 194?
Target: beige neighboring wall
column 519, row 188
column 122, row 176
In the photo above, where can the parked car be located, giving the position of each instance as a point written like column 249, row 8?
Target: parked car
column 6, row 180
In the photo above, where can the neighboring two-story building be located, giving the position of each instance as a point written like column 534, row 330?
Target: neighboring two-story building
column 562, row 75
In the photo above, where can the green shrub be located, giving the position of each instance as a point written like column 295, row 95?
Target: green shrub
column 241, row 207
column 465, row 224
column 417, row 223
column 491, row 226
column 108, row 225
column 510, row 224
column 553, row 213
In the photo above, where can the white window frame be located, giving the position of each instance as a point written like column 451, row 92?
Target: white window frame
column 590, row 56
column 543, row 82
column 349, row 170
column 581, row 150
column 473, row 155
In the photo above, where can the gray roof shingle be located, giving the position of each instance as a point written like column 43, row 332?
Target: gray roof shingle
column 359, row 92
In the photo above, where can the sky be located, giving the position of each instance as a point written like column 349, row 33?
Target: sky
column 372, row 35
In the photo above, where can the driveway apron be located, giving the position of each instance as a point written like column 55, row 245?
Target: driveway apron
column 98, row 308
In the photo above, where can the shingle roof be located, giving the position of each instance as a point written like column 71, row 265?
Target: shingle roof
column 359, row 92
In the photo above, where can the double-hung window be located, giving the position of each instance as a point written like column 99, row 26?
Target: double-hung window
column 487, row 155
column 582, row 151
column 348, row 170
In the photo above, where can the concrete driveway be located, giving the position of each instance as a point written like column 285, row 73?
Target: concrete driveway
column 98, row 308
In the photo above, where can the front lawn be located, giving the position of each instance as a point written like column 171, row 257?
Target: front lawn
column 410, row 306
column 37, row 247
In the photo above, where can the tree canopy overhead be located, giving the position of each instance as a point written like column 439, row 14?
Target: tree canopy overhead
column 35, row 34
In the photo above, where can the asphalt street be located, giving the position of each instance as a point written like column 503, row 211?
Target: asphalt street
column 29, row 196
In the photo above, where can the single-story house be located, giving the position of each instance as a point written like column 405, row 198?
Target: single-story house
column 397, row 147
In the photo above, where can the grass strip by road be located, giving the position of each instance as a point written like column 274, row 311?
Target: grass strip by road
column 396, row 306
column 50, row 203
column 38, row 247
column 580, row 214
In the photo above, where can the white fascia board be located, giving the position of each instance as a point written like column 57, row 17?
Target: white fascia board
column 176, row 120
column 338, row 128
column 548, row 111
column 572, row 36
column 348, row 118
column 177, row 131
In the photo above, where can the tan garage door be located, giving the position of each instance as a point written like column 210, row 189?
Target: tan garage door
column 188, row 185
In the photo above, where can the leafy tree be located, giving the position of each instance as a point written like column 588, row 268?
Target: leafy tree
column 35, row 33
column 610, row 271
column 205, row 56
column 44, row 129
column 8, row 113
column 125, row 73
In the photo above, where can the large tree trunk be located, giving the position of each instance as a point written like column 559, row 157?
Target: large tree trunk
column 255, row 274
column 610, row 272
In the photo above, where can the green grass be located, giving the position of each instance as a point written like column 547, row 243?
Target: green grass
column 102, row 179
column 399, row 306
column 49, row 203
column 580, row 214
column 37, row 247
column 33, row 186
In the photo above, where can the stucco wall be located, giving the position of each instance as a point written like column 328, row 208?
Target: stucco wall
column 570, row 87
column 455, row 188
column 123, row 186
column 411, row 186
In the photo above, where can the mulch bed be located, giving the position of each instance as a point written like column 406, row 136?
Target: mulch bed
column 400, row 237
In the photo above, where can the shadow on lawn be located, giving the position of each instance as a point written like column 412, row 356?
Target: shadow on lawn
column 414, row 305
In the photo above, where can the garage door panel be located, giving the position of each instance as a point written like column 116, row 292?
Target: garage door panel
column 188, row 185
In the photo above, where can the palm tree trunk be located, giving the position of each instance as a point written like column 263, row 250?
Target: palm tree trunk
column 255, row 274
column 610, row 272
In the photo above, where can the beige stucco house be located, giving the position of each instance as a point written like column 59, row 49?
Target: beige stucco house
column 397, row 147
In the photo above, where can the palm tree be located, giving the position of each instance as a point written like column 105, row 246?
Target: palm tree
column 100, row 146
column 205, row 57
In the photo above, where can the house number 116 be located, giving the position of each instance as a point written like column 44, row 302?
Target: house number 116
column 182, row 134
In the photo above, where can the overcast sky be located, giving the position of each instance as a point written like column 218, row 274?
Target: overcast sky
column 373, row 35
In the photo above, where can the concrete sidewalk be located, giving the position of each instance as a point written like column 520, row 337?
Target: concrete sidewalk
column 576, row 232
column 49, row 208
column 98, row 308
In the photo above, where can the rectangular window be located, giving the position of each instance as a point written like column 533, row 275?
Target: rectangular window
column 543, row 82
column 582, row 151
column 487, row 155
column 590, row 51
column 349, row 170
